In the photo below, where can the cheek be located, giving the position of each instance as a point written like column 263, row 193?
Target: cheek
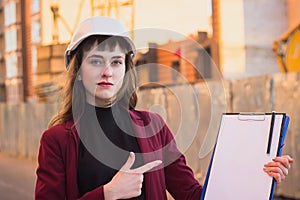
column 120, row 75
column 89, row 74
column 89, row 79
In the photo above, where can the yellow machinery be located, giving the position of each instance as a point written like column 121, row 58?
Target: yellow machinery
column 287, row 50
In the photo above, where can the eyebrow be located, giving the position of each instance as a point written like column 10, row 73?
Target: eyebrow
column 118, row 57
column 99, row 56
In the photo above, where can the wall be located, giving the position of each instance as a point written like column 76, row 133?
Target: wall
column 193, row 113
column 265, row 22
column 21, row 126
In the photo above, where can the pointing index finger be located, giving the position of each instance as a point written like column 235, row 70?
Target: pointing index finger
column 129, row 162
column 147, row 167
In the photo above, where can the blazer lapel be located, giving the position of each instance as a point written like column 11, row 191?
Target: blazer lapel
column 144, row 142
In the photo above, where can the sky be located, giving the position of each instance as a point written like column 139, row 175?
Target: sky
column 182, row 17
column 177, row 17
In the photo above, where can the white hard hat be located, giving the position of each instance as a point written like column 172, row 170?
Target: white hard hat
column 98, row 25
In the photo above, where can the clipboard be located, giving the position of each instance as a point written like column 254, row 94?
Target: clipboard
column 245, row 142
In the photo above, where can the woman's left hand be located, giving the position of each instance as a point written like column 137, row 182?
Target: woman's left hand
column 279, row 167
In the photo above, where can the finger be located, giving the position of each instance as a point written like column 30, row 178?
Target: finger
column 276, row 167
column 291, row 160
column 284, row 170
column 147, row 166
column 280, row 169
column 131, row 158
column 283, row 161
column 275, row 172
column 277, row 176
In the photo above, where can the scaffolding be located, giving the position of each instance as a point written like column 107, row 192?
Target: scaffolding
column 111, row 8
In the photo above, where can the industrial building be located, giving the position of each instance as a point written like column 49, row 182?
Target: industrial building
column 33, row 38
column 34, row 34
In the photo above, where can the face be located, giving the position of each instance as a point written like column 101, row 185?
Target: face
column 102, row 74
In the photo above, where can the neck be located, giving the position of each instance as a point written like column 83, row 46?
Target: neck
column 104, row 103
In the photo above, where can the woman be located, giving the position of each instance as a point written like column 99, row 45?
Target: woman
column 98, row 146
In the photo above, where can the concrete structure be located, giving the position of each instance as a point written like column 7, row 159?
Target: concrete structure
column 247, row 31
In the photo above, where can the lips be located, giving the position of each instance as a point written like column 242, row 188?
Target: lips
column 105, row 84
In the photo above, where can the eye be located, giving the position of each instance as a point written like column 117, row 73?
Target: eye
column 95, row 61
column 117, row 62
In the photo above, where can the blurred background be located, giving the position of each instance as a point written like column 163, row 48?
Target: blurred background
column 228, row 55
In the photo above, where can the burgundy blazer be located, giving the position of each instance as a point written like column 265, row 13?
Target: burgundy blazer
column 58, row 153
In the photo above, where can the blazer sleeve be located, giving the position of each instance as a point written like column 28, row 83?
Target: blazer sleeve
column 51, row 172
column 180, row 180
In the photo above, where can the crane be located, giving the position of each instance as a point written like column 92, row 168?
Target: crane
column 110, row 8
column 107, row 7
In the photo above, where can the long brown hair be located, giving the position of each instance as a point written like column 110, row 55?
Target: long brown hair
column 73, row 93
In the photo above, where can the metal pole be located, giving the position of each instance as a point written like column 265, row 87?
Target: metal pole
column 216, row 32
column 26, row 49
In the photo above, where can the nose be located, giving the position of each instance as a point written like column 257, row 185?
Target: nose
column 107, row 71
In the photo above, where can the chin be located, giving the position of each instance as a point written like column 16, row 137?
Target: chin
column 104, row 97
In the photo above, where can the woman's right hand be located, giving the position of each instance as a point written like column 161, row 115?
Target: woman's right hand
column 127, row 183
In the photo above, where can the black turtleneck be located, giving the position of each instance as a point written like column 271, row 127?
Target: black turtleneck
column 106, row 138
